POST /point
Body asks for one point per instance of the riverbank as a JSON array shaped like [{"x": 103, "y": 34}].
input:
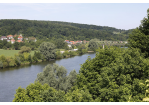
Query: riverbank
[
  {"x": 16, "y": 61},
  {"x": 90, "y": 51}
]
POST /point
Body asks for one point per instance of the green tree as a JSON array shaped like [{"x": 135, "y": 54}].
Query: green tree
[
  {"x": 65, "y": 54},
  {"x": 1, "y": 64},
  {"x": 58, "y": 55},
  {"x": 55, "y": 76},
  {"x": 32, "y": 93},
  {"x": 52, "y": 95},
  {"x": 12, "y": 62},
  {"x": 59, "y": 43},
  {"x": 4, "y": 42},
  {"x": 34, "y": 58},
  {"x": 21, "y": 56},
  {"x": 8, "y": 45},
  {"x": 37, "y": 54},
  {"x": 140, "y": 36},
  {"x": 147, "y": 90},
  {"x": 1, "y": 45},
  {"x": 92, "y": 45},
  {"x": 80, "y": 50},
  {"x": 114, "y": 75},
  {"x": 24, "y": 49},
  {"x": 4, "y": 61},
  {"x": 17, "y": 59},
  {"x": 30, "y": 58},
  {"x": 79, "y": 96},
  {"x": 48, "y": 50},
  {"x": 26, "y": 56},
  {"x": 16, "y": 45}
]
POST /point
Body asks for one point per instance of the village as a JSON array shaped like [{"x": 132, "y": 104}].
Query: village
[
  {"x": 17, "y": 38},
  {"x": 103, "y": 42}
]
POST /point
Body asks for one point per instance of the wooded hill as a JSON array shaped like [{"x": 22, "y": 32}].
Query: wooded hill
[{"x": 54, "y": 29}]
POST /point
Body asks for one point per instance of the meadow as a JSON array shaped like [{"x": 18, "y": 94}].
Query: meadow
[{"x": 11, "y": 52}]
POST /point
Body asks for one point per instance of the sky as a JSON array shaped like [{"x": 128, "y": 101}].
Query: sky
[{"x": 119, "y": 15}]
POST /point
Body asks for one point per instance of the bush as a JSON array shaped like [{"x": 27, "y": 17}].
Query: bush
[
  {"x": 5, "y": 64},
  {"x": 84, "y": 51},
  {"x": 34, "y": 59},
  {"x": 25, "y": 49},
  {"x": 26, "y": 56},
  {"x": 12, "y": 63},
  {"x": 17, "y": 60},
  {"x": 1, "y": 64},
  {"x": 58, "y": 55}
]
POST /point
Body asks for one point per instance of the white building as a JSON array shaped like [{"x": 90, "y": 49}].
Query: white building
[
  {"x": 3, "y": 38},
  {"x": 69, "y": 45}
]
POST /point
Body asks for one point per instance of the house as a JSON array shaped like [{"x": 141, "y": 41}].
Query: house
[
  {"x": 3, "y": 38},
  {"x": 69, "y": 42},
  {"x": 62, "y": 52},
  {"x": 126, "y": 42},
  {"x": 12, "y": 41},
  {"x": 72, "y": 42},
  {"x": 75, "y": 49},
  {"x": 84, "y": 41},
  {"x": 8, "y": 40},
  {"x": 69, "y": 46},
  {"x": 9, "y": 36},
  {"x": 66, "y": 40},
  {"x": 20, "y": 37},
  {"x": 19, "y": 40},
  {"x": 79, "y": 41}
]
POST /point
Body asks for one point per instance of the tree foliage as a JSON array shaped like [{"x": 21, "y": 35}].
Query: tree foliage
[
  {"x": 93, "y": 45},
  {"x": 48, "y": 50},
  {"x": 55, "y": 76},
  {"x": 35, "y": 92},
  {"x": 140, "y": 36},
  {"x": 25, "y": 49},
  {"x": 114, "y": 75},
  {"x": 79, "y": 96}
]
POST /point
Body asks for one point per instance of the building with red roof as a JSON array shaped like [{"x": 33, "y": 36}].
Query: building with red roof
[
  {"x": 9, "y": 36},
  {"x": 12, "y": 41},
  {"x": 19, "y": 40}
]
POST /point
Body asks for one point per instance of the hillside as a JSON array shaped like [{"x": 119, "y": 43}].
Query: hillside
[{"x": 64, "y": 30}]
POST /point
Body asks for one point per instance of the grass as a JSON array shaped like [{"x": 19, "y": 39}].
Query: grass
[{"x": 11, "y": 52}]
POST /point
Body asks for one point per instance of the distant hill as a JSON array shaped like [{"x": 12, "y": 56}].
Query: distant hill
[{"x": 64, "y": 30}]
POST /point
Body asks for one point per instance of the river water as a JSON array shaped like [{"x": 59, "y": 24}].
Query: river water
[{"x": 12, "y": 78}]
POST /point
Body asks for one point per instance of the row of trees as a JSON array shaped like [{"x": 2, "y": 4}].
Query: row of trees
[
  {"x": 23, "y": 57},
  {"x": 46, "y": 51}
]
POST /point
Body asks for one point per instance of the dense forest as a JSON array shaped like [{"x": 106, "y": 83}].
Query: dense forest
[{"x": 51, "y": 30}]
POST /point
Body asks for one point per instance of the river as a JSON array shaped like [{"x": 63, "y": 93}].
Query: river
[{"x": 12, "y": 78}]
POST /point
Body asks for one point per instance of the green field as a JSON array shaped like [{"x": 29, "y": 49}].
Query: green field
[{"x": 11, "y": 52}]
